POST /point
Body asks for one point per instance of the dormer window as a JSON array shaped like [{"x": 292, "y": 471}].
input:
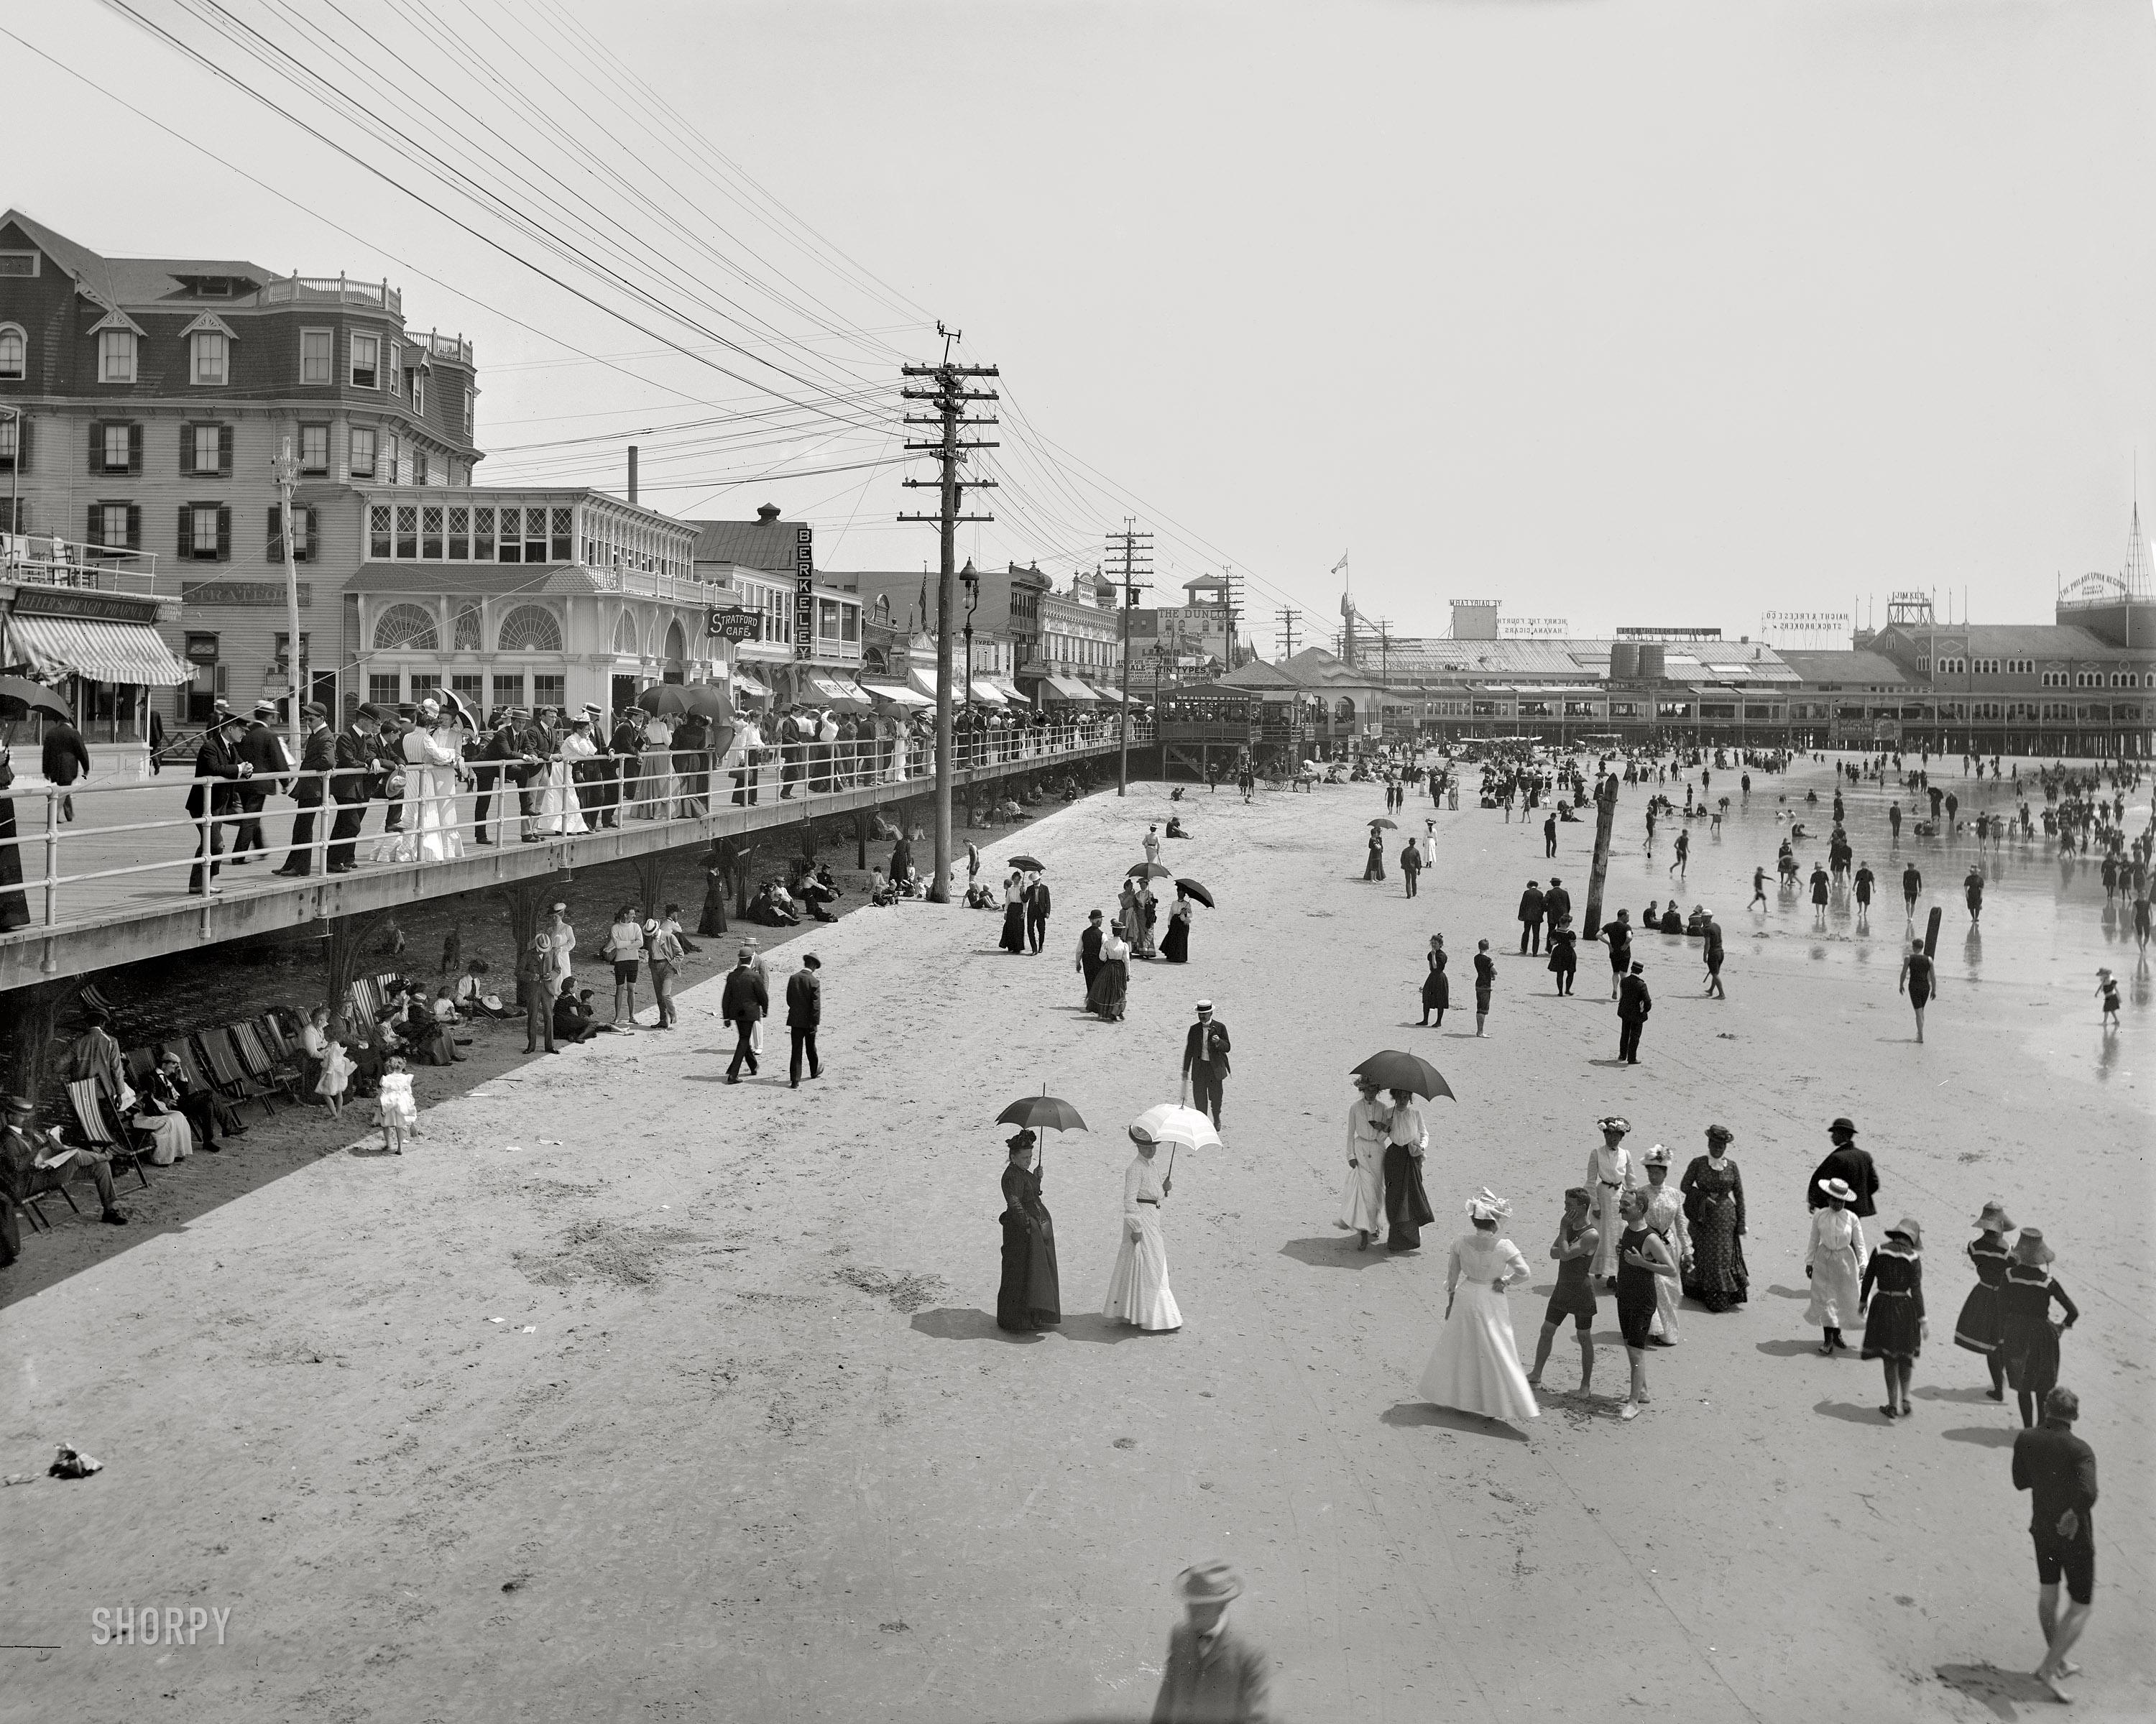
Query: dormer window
[
  {"x": 213, "y": 287},
  {"x": 115, "y": 356},
  {"x": 209, "y": 357}
]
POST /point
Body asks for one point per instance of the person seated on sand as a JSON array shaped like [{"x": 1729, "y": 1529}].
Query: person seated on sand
[
  {"x": 574, "y": 1019},
  {"x": 1175, "y": 827},
  {"x": 1672, "y": 923},
  {"x": 773, "y": 906},
  {"x": 1696, "y": 923},
  {"x": 474, "y": 998},
  {"x": 979, "y": 896},
  {"x": 881, "y": 893}
]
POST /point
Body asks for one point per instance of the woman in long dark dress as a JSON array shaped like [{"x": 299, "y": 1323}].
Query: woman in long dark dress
[
  {"x": 1175, "y": 943},
  {"x": 1031, "y": 1296},
  {"x": 2028, "y": 1339},
  {"x": 1110, "y": 988},
  {"x": 1977, "y": 1328},
  {"x": 1407, "y": 1204},
  {"x": 1014, "y": 935},
  {"x": 718, "y": 882},
  {"x": 14, "y": 905},
  {"x": 1436, "y": 991},
  {"x": 1714, "y": 1210},
  {"x": 1892, "y": 1294}
]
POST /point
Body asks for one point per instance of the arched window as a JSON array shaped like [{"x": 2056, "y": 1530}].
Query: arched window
[
  {"x": 530, "y": 628},
  {"x": 624, "y": 634},
  {"x": 406, "y": 625},
  {"x": 14, "y": 352},
  {"x": 1345, "y": 713},
  {"x": 677, "y": 643},
  {"x": 467, "y": 629}
]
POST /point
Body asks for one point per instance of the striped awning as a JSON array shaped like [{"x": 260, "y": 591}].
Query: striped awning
[
  {"x": 828, "y": 689},
  {"x": 1066, "y": 690},
  {"x": 988, "y": 694},
  {"x": 744, "y": 683},
  {"x": 102, "y": 651},
  {"x": 897, "y": 693}
]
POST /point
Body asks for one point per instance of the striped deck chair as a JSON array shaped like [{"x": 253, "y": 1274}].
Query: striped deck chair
[
  {"x": 263, "y": 1065},
  {"x": 104, "y": 1130},
  {"x": 366, "y": 1004},
  {"x": 280, "y": 1045},
  {"x": 199, "y": 1077},
  {"x": 230, "y": 1070},
  {"x": 140, "y": 1062}
]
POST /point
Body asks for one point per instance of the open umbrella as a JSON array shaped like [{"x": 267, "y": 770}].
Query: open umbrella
[
  {"x": 1179, "y": 1127},
  {"x": 1146, "y": 870},
  {"x": 35, "y": 696},
  {"x": 675, "y": 699},
  {"x": 1042, "y": 1113},
  {"x": 1380, "y": 822},
  {"x": 1029, "y": 862},
  {"x": 1191, "y": 889},
  {"x": 1393, "y": 1070}
]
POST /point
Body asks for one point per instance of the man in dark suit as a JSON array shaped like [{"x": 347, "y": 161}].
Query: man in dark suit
[
  {"x": 804, "y": 1011},
  {"x": 485, "y": 774},
  {"x": 352, "y": 782},
  {"x": 1211, "y": 1674},
  {"x": 263, "y": 750},
  {"x": 215, "y": 799},
  {"x": 626, "y": 744},
  {"x": 521, "y": 750},
  {"x": 1530, "y": 919},
  {"x": 1205, "y": 1061},
  {"x": 65, "y": 759},
  {"x": 1089, "y": 952},
  {"x": 1557, "y": 905},
  {"x": 1846, "y": 1161},
  {"x": 1036, "y": 915},
  {"x": 318, "y": 755},
  {"x": 1634, "y": 1002},
  {"x": 743, "y": 1005}
]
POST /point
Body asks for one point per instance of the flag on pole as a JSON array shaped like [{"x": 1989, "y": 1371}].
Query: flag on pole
[
  {"x": 924, "y": 599},
  {"x": 1340, "y": 565}
]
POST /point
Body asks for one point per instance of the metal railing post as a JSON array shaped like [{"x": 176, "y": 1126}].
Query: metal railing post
[{"x": 52, "y": 855}]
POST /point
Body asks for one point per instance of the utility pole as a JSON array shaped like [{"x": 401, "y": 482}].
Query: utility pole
[
  {"x": 1234, "y": 611},
  {"x": 1289, "y": 617},
  {"x": 949, "y": 394},
  {"x": 1135, "y": 548},
  {"x": 287, "y": 470}
]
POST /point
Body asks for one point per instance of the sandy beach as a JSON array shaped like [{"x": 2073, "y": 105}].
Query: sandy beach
[{"x": 627, "y": 1395}]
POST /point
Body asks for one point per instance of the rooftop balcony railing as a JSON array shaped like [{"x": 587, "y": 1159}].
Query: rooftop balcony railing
[
  {"x": 335, "y": 290},
  {"x": 33, "y": 559}
]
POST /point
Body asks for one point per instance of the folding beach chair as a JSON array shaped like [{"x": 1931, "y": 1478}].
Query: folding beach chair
[
  {"x": 199, "y": 1078},
  {"x": 104, "y": 1130},
  {"x": 261, "y": 1064},
  {"x": 230, "y": 1070}
]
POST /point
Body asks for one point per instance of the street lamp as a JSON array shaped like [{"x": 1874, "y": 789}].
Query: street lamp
[{"x": 971, "y": 576}]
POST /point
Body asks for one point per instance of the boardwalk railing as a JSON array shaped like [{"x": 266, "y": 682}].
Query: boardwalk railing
[{"x": 74, "y": 867}]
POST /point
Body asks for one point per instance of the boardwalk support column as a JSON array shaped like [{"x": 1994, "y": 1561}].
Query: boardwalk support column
[{"x": 1605, "y": 818}]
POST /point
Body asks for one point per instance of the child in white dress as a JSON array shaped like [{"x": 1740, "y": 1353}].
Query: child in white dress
[
  {"x": 399, "y": 1110},
  {"x": 336, "y": 1072}
]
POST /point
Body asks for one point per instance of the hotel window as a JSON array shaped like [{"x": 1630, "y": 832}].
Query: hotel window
[
  {"x": 468, "y": 414},
  {"x": 115, "y": 356},
  {"x": 424, "y": 684},
  {"x": 418, "y": 391},
  {"x": 209, "y": 357},
  {"x": 564, "y": 546},
  {"x": 15, "y": 353},
  {"x": 116, "y": 525},
  {"x": 408, "y": 532},
  {"x": 385, "y": 688},
  {"x": 377, "y": 531},
  {"x": 430, "y": 533},
  {"x": 393, "y": 469},
  {"x": 314, "y": 345},
  {"x": 362, "y": 452},
  {"x": 366, "y": 362},
  {"x": 469, "y": 687},
  {"x": 420, "y": 467},
  {"x": 396, "y": 382},
  {"x": 118, "y": 449},
  {"x": 459, "y": 534},
  {"x": 10, "y": 443},
  {"x": 509, "y": 689},
  {"x": 465, "y": 635},
  {"x": 483, "y": 535},
  {"x": 314, "y": 448},
  {"x": 303, "y": 547},
  {"x": 530, "y": 628},
  {"x": 409, "y": 627},
  {"x": 205, "y": 532},
  {"x": 209, "y": 449},
  {"x": 549, "y": 691}
]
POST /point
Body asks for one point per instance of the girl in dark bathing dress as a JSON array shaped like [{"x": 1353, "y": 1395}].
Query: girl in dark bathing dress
[
  {"x": 1030, "y": 1295},
  {"x": 1978, "y": 1328},
  {"x": 1894, "y": 1327},
  {"x": 1436, "y": 990},
  {"x": 2028, "y": 1338}
]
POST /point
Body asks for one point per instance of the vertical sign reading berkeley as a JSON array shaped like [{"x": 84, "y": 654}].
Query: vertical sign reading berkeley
[{"x": 804, "y": 596}]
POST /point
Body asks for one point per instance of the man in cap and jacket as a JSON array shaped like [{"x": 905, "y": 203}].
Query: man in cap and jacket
[
  {"x": 1530, "y": 919},
  {"x": 218, "y": 771},
  {"x": 743, "y": 1004},
  {"x": 804, "y": 1012},
  {"x": 352, "y": 782},
  {"x": 263, "y": 750},
  {"x": 1847, "y": 1162},
  {"x": 522, "y": 752},
  {"x": 1211, "y": 1674},
  {"x": 318, "y": 754},
  {"x": 1634, "y": 1004}
]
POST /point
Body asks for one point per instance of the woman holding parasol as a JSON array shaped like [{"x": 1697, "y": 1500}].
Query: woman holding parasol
[
  {"x": 18, "y": 695},
  {"x": 1029, "y": 1297},
  {"x": 1138, "y": 1293}
]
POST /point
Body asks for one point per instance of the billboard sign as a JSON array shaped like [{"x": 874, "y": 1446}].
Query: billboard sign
[
  {"x": 1679, "y": 637},
  {"x": 1533, "y": 628},
  {"x": 804, "y": 593},
  {"x": 733, "y": 623},
  {"x": 1806, "y": 628}
]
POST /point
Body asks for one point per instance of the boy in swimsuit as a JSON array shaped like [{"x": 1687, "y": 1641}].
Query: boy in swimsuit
[{"x": 1573, "y": 1296}]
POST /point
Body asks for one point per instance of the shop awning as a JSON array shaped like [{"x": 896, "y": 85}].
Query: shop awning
[
  {"x": 897, "y": 693},
  {"x": 102, "y": 651},
  {"x": 821, "y": 685},
  {"x": 1065, "y": 690},
  {"x": 988, "y": 694},
  {"x": 744, "y": 683},
  {"x": 1110, "y": 695},
  {"x": 1008, "y": 689},
  {"x": 852, "y": 690}
]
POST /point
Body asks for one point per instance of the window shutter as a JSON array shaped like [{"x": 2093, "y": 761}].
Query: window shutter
[
  {"x": 90, "y": 526},
  {"x": 134, "y": 527},
  {"x": 187, "y": 447},
  {"x": 21, "y": 446},
  {"x": 96, "y": 446},
  {"x": 276, "y": 534},
  {"x": 134, "y": 449},
  {"x": 224, "y": 532},
  {"x": 186, "y": 530},
  {"x": 224, "y": 451},
  {"x": 307, "y": 554}
]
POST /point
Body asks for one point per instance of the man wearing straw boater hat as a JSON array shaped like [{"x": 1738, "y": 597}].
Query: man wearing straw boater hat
[
  {"x": 1205, "y": 1062},
  {"x": 1212, "y": 1675}
]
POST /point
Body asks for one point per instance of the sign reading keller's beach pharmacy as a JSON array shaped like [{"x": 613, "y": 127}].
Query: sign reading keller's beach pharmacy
[{"x": 804, "y": 593}]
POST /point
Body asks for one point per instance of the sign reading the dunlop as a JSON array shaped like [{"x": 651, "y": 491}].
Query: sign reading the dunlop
[
  {"x": 804, "y": 593},
  {"x": 243, "y": 593},
  {"x": 733, "y": 623}
]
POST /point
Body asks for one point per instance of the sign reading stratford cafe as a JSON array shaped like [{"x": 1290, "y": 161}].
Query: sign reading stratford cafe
[
  {"x": 733, "y": 623},
  {"x": 804, "y": 592}
]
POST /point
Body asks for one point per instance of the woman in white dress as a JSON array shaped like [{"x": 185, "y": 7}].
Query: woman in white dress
[
  {"x": 656, "y": 800},
  {"x": 434, "y": 760},
  {"x": 1610, "y": 1175},
  {"x": 1834, "y": 1260},
  {"x": 1137, "y": 1286},
  {"x": 560, "y": 813},
  {"x": 1475, "y": 1367},
  {"x": 1362, "y": 1200}
]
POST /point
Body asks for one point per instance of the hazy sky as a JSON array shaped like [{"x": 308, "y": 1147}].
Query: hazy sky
[{"x": 1619, "y": 311}]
